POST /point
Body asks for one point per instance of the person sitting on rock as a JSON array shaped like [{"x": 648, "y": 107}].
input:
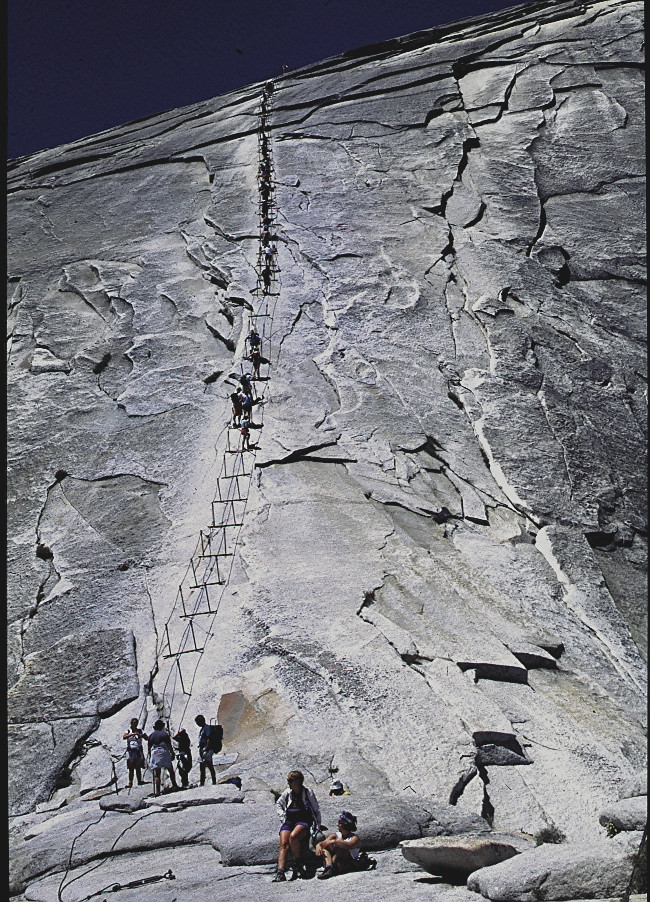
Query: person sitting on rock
[
  {"x": 299, "y": 810},
  {"x": 161, "y": 755},
  {"x": 341, "y": 849},
  {"x": 134, "y": 751},
  {"x": 184, "y": 746}
]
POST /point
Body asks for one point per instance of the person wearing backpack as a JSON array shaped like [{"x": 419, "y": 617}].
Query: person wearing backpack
[
  {"x": 236, "y": 399},
  {"x": 299, "y": 810},
  {"x": 134, "y": 751},
  {"x": 184, "y": 754},
  {"x": 210, "y": 742}
]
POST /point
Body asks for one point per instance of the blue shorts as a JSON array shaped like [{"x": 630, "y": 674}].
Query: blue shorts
[{"x": 289, "y": 825}]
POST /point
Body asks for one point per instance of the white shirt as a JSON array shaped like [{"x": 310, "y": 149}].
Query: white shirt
[{"x": 355, "y": 850}]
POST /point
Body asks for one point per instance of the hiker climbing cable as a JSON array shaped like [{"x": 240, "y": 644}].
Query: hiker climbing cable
[
  {"x": 254, "y": 339},
  {"x": 236, "y": 399},
  {"x": 247, "y": 409},
  {"x": 245, "y": 382},
  {"x": 340, "y": 850},
  {"x": 135, "y": 761},
  {"x": 255, "y": 358},
  {"x": 184, "y": 755},
  {"x": 299, "y": 810},
  {"x": 266, "y": 278},
  {"x": 245, "y": 434},
  {"x": 161, "y": 756}
]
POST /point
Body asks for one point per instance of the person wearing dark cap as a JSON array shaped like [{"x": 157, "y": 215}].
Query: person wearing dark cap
[{"x": 341, "y": 849}]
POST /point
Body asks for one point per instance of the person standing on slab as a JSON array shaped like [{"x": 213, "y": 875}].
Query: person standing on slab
[
  {"x": 205, "y": 750},
  {"x": 135, "y": 751},
  {"x": 161, "y": 755}
]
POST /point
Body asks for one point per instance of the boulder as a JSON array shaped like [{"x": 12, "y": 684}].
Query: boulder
[
  {"x": 461, "y": 854},
  {"x": 573, "y": 871},
  {"x": 627, "y": 814},
  {"x": 635, "y": 786},
  {"x": 254, "y": 842}
]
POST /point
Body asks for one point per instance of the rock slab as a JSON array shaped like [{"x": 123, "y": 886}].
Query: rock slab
[
  {"x": 460, "y": 854},
  {"x": 551, "y": 872}
]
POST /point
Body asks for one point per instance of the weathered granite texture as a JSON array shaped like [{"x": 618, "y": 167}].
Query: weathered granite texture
[
  {"x": 439, "y": 590},
  {"x": 575, "y": 871}
]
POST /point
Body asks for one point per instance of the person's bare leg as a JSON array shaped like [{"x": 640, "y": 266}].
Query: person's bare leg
[
  {"x": 284, "y": 849},
  {"x": 294, "y": 841}
]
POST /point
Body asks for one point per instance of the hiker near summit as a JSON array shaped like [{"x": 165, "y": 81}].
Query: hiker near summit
[
  {"x": 134, "y": 751},
  {"x": 341, "y": 849},
  {"x": 161, "y": 754},
  {"x": 299, "y": 810}
]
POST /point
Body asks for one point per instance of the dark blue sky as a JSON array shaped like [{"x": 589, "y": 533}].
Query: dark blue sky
[{"x": 77, "y": 67}]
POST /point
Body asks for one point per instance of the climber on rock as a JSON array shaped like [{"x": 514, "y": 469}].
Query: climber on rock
[
  {"x": 205, "y": 750},
  {"x": 266, "y": 278},
  {"x": 245, "y": 382},
  {"x": 247, "y": 408},
  {"x": 340, "y": 850},
  {"x": 135, "y": 751},
  {"x": 245, "y": 434},
  {"x": 253, "y": 338},
  {"x": 236, "y": 399},
  {"x": 161, "y": 755},
  {"x": 255, "y": 358},
  {"x": 299, "y": 810}
]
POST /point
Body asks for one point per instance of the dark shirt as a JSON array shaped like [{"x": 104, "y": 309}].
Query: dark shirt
[{"x": 159, "y": 737}]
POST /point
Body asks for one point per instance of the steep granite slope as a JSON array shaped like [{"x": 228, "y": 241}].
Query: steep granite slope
[{"x": 440, "y": 581}]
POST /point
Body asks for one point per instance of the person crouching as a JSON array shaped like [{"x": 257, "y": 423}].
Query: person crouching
[{"x": 341, "y": 849}]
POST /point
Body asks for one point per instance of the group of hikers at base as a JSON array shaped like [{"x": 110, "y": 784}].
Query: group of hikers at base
[
  {"x": 338, "y": 853},
  {"x": 162, "y": 754}
]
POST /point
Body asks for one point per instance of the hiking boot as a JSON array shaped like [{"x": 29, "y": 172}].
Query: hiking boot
[
  {"x": 279, "y": 876},
  {"x": 327, "y": 873},
  {"x": 298, "y": 871}
]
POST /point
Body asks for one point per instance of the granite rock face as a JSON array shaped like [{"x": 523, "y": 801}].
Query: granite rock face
[{"x": 438, "y": 591}]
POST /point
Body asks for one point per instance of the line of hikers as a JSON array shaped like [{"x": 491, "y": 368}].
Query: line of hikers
[
  {"x": 161, "y": 752},
  {"x": 242, "y": 399},
  {"x": 268, "y": 250}
]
